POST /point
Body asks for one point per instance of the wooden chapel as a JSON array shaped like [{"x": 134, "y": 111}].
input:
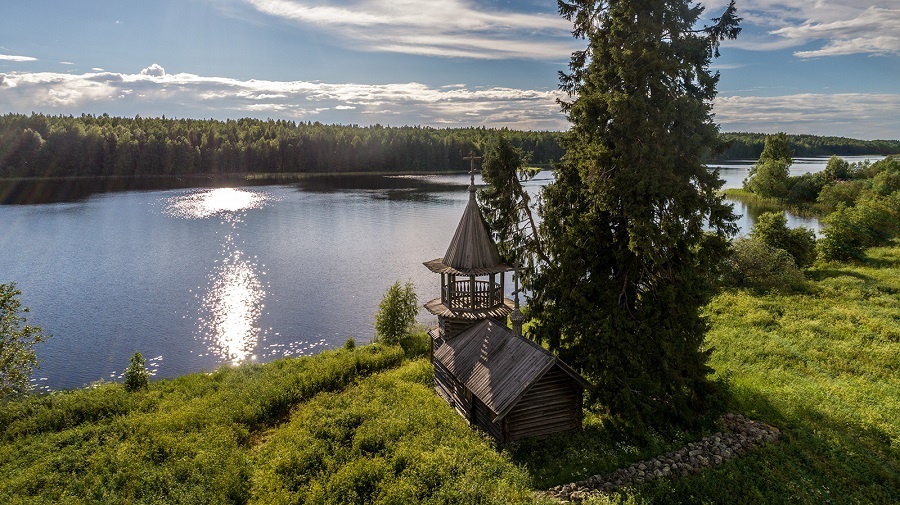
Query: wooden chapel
[{"x": 500, "y": 382}]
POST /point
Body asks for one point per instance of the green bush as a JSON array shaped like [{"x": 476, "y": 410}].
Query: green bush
[
  {"x": 17, "y": 340},
  {"x": 754, "y": 264},
  {"x": 136, "y": 376},
  {"x": 769, "y": 178},
  {"x": 873, "y": 221},
  {"x": 805, "y": 188},
  {"x": 837, "y": 169},
  {"x": 771, "y": 228},
  {"x": 416, "y": 342},
  {"x": 396, "y": 313},
  {"x": 833, "y": 195}
]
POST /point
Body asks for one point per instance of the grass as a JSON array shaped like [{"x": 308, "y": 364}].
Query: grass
[{"x": 364, "y": 426}]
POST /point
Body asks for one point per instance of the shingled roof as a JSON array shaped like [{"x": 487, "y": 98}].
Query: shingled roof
[
  {"x": 472, "y": 250},
  {"x": 496, "y": 365}
]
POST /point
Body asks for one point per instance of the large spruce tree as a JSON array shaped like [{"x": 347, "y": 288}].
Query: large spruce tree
[{"x": 633, "y": 223}]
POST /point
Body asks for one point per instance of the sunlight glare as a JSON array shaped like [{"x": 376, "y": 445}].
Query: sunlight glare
[
  {"x": 233, "y": 304},
  {"x": 210, "y": 202}
]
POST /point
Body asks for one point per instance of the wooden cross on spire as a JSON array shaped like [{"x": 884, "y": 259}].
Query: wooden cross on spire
[{"x": 471, "y": 158}]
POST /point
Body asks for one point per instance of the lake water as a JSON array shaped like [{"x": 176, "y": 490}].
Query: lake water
[{"x": 194, "y": 278}]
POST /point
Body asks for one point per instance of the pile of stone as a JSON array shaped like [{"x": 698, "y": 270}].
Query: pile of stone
[{"x": 743, "y": 435}]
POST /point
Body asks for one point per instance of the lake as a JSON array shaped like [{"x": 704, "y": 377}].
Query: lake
[{"x": 194, "y": 278}]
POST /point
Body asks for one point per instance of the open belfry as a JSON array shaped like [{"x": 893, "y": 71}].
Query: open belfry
[{"x": 499, "y": 381}]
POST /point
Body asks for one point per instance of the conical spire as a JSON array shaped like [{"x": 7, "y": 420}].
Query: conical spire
[{"x": 472, "y": 250}]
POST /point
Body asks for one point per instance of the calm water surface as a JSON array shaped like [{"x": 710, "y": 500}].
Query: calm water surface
[{"x": 195, "y": 278}]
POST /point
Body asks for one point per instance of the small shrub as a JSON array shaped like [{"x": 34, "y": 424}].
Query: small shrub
[
  {"x": 754, "y": 264},
  {"x": 416, "y": 342},
  {"x": 350, "y": 344},
  {"x": 136, "y": 376},
  {"x": 396, "y": 313},
  {"x": 771, "y": 228}
]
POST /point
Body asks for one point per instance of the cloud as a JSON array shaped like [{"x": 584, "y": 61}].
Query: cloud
[
  {"x": 834, "y": 27},
  {"x": 858, "y": 115},
  {"x": 10, "y": 57},
  {"x": 152, "y": 92},
  {"x": 154, "y": 70},
  {"x": 448, "y": 28}
]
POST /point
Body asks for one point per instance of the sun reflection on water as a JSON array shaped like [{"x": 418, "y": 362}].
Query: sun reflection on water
[
  {"x": 211, "y": 202},
  {"x": 232, "y": 303},
  {"x": 232, "y": 307}
]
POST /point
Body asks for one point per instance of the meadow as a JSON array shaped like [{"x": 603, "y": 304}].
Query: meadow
[{"x": 364, "y": 426}]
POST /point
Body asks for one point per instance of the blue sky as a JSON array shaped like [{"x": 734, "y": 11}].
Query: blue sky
[{"x": 825, "y": 67}]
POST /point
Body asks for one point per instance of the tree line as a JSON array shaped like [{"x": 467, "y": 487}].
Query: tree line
[
  {"x": 58, "y": 146},
  {"x": 749, "y": 146},
  {"x": 39, "y": 145}
]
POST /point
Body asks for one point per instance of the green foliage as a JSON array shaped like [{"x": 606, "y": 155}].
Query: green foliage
[
  {"x": 390, "y": 439},
  {"x": 849, "y": 231},
  {"x": 17, "y": 341},
  {"x": 41, "y": 146},
  {"x": 758, "y": 265},
  {"x": 350, "y": 344},
  {"x": 841, "y": 193},
  {"x": 624, "y": 222},
  {"x": 837, "y": 169},
  {"x": 770, "y": 177},
  {"x": 396, "y": 313},
  {"x": 805, "y": 188},
  {"x": 749, "y": 146},
  {"x": 771, "y": 229},
  {"x": 777, "y": 147},
  {"x": 136, "y": 376},
  {"x": 187, "y": 440},
  {"x": 819, "y": 364},
  {"x": 416, "y": 342},
  {"x": 506, "y": 205}
]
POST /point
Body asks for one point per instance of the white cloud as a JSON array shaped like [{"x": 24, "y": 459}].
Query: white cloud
[
  {"x": 190, "y": 95},
  {"x": 154, "y": 70},
  {"x": 11, "y": 57},
  {"x": 449, "y": 28},
  {"x": 835, "y": 27},
  {"x": 858, "y": 115}
]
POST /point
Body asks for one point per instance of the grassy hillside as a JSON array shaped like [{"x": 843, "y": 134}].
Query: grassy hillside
[{"x": 363, "y": 425}]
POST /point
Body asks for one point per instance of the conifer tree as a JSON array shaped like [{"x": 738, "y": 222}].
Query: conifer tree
[{"x": 633, "y": 223}]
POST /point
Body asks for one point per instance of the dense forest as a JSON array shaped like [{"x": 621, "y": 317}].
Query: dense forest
[
  {"x": 749, "y": 146},
  {"x": 37, "y": 145}
]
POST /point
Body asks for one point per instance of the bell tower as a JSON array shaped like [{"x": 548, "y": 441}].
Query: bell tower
[{"x": 472, "y": 275}]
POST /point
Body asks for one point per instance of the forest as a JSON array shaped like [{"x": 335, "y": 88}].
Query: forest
[{"x": 39, "y": 145}]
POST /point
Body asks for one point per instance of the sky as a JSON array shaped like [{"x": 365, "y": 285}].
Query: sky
[{"x": 822, "y": 67}]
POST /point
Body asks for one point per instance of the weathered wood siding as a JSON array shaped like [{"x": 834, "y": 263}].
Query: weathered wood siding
[
  {"x": 481, "y": 418},
  {"x": 552, "y": 405},
  {"x": 451, "y": 390}
]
